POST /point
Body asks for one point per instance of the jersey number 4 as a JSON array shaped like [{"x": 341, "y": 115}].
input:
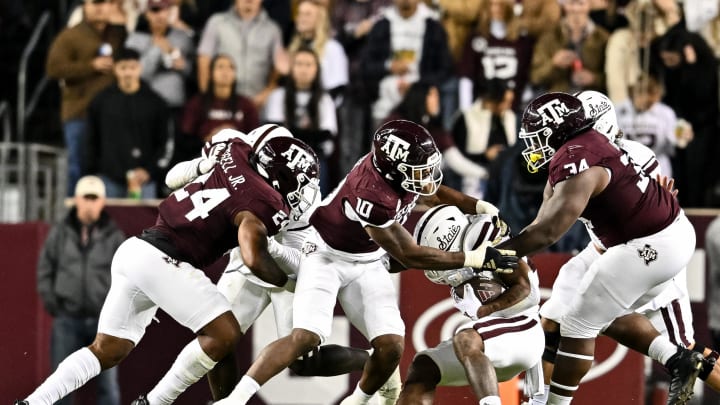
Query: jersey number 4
[{"x": 203, "y": 200}]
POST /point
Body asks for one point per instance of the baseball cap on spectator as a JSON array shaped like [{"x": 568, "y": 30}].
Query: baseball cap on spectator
[
  {"x": 126, "y": 54},
  {"x": 158, "y": 4},
  {"x": 90, "y": 186}
]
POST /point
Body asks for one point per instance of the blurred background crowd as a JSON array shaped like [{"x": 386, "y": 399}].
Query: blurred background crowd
[{"x": 142, "y": 83}]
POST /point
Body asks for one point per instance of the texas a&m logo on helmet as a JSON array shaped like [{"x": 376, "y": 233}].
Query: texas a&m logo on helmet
[
  {"x": 405, "y": 154},
  {"x": 548, "y": 122}
]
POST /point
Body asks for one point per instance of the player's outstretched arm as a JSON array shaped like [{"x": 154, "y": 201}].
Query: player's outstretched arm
[
  {"x": 187, "y": 171},
  {"x": 252, "y": 239},
  {"x": 399, "y": 244},
  {"x": 558, "y": 212}
]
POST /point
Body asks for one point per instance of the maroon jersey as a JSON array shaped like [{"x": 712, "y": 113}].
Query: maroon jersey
[
  {"x": 363, "y": 198},
  {"x": 493, "y": 58},
  {"x": 632, "y": 205},
  {"x": 198, "y": 219}
]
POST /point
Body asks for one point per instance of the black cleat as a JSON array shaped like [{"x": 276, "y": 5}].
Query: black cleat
[
  {"x": 684, "y": 367},
  {"x": 141, "y": 400},
  {"x": 19, "y": 402}
]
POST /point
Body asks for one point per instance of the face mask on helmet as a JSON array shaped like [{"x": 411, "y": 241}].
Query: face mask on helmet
[
  {"x": 601, "y": 109},
  {"x": 548, "y": 122},
  {"x": 290, "y": 167},
  {"x": 405, "y": 154}
]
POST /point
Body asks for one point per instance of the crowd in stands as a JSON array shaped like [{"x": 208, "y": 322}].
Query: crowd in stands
[{"x": 332, "y": 70}]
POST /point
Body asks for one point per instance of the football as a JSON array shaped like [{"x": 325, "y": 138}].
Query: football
[{"x": 486, "y": 289}]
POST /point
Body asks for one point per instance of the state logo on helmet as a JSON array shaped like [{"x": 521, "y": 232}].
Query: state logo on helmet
[
  {"x": 599, "y": 107},
  {"x": 442, "y": 227},
  {"x": 291, "y": 167},
  {"x": 548, "y": 122},
  {"x": 405, "y": 154}
]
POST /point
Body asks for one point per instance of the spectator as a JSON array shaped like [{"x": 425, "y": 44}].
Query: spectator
[
  {"x": 352, "y": 21},
  {"x": 81, "y": 59},
  {"x": 252, "y": 39},
  {"x": 690, "y": 79},
  {"x": 307, "y": 110},
  {"x": 539, "y": 17},
  {"x": 164, "y": 53},
  {"x": 632, "y": 45},
  {"x": 485, "y": 129},
  {"x": 712, "y": 247},
  {"x": 128, "y": 132},
  {"x": 646, "y": 119},
  {"x": 459, "y": 17},
  {"x": 407, "y": 45},
  {"x": 220, "y": 106},
  {"x": 165, "y": 56},
  {"x": 422, "y": 105},
  {"x": 74, "y": 278},
  {"x": 497, "y": 50},
  {"x": 119, "y": 12},
  {"x": 571, "y": 56},
  {"x": 312, "y": 29}
]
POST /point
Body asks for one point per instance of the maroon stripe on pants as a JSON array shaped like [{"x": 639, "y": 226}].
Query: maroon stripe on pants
[
  {"x": 677, "y": 311},
  {"x": 510, "y": 329},
  {"x": 668, "y": 324}
]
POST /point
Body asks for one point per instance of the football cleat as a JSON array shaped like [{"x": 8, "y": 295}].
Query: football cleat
[
  {"x": 684, "y": 367},
  {"x": 390, "y": 391},
  {"x": 141, "y": 400},
  {"x": 19, "y": 402}
]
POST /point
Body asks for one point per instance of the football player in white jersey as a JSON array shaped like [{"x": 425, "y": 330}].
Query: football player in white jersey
[
  {"x": 249, "y": 295},
  {"x": 504, "y": 337},
  {"x": 669, "y": 312}
]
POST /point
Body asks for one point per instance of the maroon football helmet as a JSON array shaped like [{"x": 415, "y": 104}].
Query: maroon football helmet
[
  {"x": 405, "y": 154},
  {"x": 548, "y": 122},
  {"x": 291, "y": 167}
]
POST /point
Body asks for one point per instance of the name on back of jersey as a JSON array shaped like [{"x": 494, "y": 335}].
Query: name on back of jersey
[{"x": 226, "y": 163}]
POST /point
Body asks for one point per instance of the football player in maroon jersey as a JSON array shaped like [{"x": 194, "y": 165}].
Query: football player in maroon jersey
[
  {"x": 248, "y": 195},
  {"x": 355, "y": 226},
  {"x": 249, "y": 296},
  {"x": 646, "y": 237}
]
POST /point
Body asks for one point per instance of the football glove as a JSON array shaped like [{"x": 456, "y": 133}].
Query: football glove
[
  {"x": 451, "y": 277},
  {"x": 484, "y": 207},
  {"x": 469, "y": 303},
  {"x": 487, "y": 257},
  {"x": 500, "y": 260}
]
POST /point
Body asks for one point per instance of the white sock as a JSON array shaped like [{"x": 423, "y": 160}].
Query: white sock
[
  {"x": 71, "y": 374},
  {"x": 661, "y": 349},
  {"x": 491, "y": 400},
  {"x": 244, "y": 390},
  {"x": 555, "y": 399},
  {"x": 541, "y": 399},
  {"x": 191, "y": 365},
  {"x": 359, "y": 396}
]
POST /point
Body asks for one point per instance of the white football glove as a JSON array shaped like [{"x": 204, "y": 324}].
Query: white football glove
[
  {"x": 469, "y": 303},
  {"x": 450, "y": 277},
  {"x": 206, "y": 164},
  {"x": 484, "y": 207}
]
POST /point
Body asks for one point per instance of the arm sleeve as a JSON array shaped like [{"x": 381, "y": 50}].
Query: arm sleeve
[
  {"x": 62, "y": 63},
  {"x": 182, "y": 173},
  {"x": 46, "y": 268},
  {"x": 208, "y": 41}
]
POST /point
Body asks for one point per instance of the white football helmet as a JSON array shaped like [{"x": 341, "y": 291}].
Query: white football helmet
[
  {"x": 442, "y": 227},
  {"x": 601, "y": 109}
]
